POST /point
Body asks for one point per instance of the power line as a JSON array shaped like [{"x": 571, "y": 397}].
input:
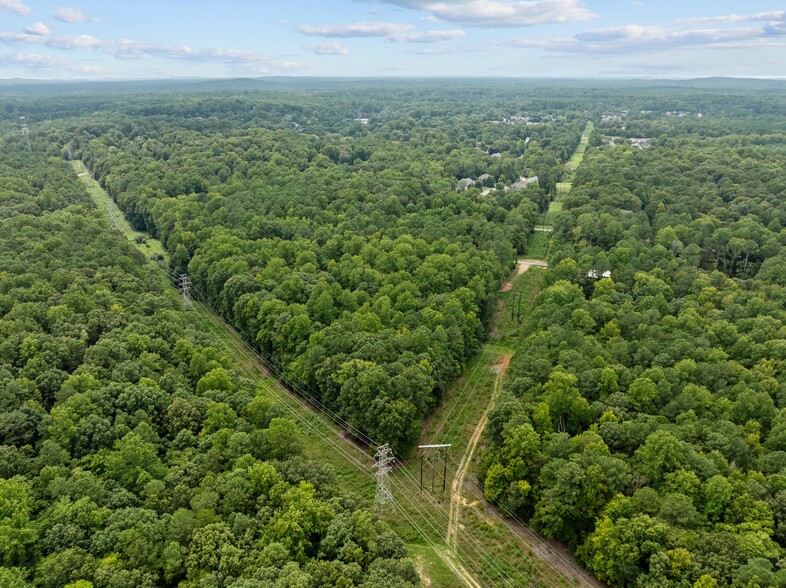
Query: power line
[
  {"x": 383, "y": 496},
  {"x": 336, "y": 419},
  {"x": 184, "y": 283},
  {"x": 356, "y": 432},
  {"x": 404, "y": 471},
  {"x": 341, "y": 451}
]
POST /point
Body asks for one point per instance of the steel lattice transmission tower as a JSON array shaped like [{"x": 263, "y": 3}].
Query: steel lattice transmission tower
[
  {"x": 383, "y": 457},
  {"x": 185, "y": 288}
]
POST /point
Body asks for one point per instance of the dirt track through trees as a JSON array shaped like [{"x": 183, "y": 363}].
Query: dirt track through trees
[{"x": 458, "y": 481}]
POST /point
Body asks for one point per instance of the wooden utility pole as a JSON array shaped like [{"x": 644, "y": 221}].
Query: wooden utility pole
[{"x": 440, "y": 450}]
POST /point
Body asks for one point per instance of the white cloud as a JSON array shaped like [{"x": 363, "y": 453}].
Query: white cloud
[
  {"x": 357, "y": 29},
  {"x": 15, "y": 6},
  {"x": 50, "y": 66},
  {"x": 56, "y": 42},
  {"x": 30, "y": 60},
  {"x": 501, "y": 13},
  {"x": 430, "y": 36},
  {"x": 130, "y": 49},
  {"x": 397, "y": 32},
  {"x": 68, "y": 14},
  {"x": 636, "y": 38},
  {"x": 440, "y": 50},
  {"x": 331, "y": 48},
  {"x": 38, "y": 28},
  {"x": 776, "y": 15}
]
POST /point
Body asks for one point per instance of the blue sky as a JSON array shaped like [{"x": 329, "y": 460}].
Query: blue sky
[{"x": 96, "y": 39}]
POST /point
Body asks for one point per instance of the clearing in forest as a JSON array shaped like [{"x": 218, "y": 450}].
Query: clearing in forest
[
  {"x": 466, "y": 541},
  {"x": 535, "y": 247}
]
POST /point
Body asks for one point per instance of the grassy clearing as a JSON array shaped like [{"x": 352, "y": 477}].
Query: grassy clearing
[
  {"x": 578, "y": 156},
  {"x": 151, "y": 248},
  {"x": 517, "y": 303},
  {"x": 554, "y": 208},
  {"x": 538, "y": 245},
  {"x": 453, "y": 422},
  {"x": 506, "y": 563},
  {"x": 433, "y": 571}
]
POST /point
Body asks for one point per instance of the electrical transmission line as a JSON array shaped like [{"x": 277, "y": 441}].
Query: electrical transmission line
[{"x": 383, "y": 457}]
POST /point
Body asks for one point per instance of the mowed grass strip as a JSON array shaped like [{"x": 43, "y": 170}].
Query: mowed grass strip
[
  {"x": 538, "y": 245},
  {"x": 150, "y": 247}
]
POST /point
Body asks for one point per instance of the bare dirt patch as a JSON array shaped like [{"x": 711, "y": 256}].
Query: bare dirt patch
[{"x": 522, "y": 265}]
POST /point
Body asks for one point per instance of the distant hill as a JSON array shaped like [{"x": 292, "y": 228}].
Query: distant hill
[{"x": 20, "y": 86}]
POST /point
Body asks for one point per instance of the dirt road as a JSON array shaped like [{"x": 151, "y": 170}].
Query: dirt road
[
  {"x": 458, "y": 481},
  {"x": 522, "y": 265}
]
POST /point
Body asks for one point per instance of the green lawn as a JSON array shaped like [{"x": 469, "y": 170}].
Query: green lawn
[
  {"x": 150, "y": 247},
  {"x": 433, "y": 571},
  {"x": 538, "y": 245},
  {"x": 578, "y": 156},
  {"x": 517, "y": 303},
  {"x": 554, "y": 208}
]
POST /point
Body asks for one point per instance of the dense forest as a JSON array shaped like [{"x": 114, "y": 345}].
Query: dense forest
[
  {"x": 131, "y": 454},
  {"x": 350, "y": 258},
  {"x": 358, "y": 237},
  {"x": 644, "y": 415}
]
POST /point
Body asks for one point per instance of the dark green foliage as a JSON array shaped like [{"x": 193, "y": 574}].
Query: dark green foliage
[
  {"x": 345, "y": 254},
  {"x": 658, "y": 393},
  {"x": 131, "y": 454}
]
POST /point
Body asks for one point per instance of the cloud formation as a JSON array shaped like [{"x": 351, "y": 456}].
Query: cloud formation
[
  {"x": 15, "y": 6},
  {"x": 38, "y": 28},
  {"x": 30, "y": 60},
  {"x": 130, "y": 49},
  {"x": 431, "y": 36},
  {"x": 776, "y": 15},
  {"x": 68, "y": 14},
  {"x": 396, "y": 32},
  {"x": 331, "y": 48},
  {"x": 636, "y": 38},
  {"x": 500, "y": 13},
  {"x": 357, "y": 29},
  {"x": 51, "y": 65}
]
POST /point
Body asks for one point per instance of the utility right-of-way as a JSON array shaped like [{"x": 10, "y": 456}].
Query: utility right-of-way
[{"x": 479, "y": 545}]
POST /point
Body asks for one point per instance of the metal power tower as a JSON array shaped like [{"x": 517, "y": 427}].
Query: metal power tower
[
  {"x": 383, "y": 457},
  {"x": 26, "y": 132},
  {"x": 185, "y": 288}
]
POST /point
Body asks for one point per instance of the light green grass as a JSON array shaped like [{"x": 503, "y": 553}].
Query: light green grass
[
  {"x": 578, "y": 156},
  {"x": 452, "y": 422},
  {"x": 151, "y": 248},
  {"x": 433, "y": 571},
  {"x": 554, "y": 208},
  {"x": 518, "y": 303},
  {"x": 538, "y": 245},
  {"x": 487, "y": 549}
]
